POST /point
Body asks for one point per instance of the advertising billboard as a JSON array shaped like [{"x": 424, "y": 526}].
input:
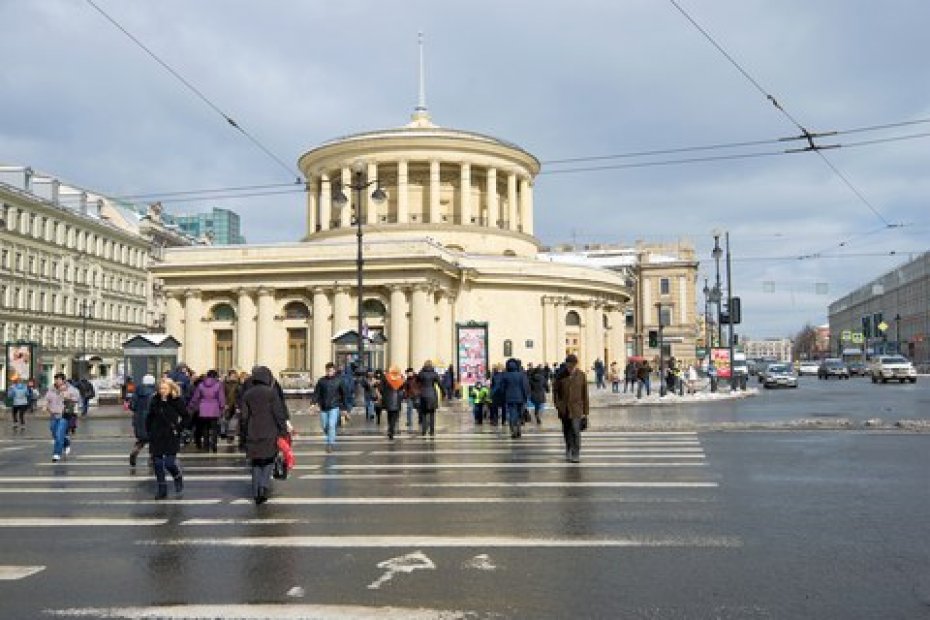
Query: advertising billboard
[
  {"x": 471, "y": 341},
  {"x": 721, "y": 358}
]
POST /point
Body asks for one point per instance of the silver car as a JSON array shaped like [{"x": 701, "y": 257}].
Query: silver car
[{"x": 779, "y": 375}]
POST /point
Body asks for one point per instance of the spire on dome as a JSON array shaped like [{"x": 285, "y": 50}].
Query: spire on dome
[{"x": 421, "y": 117}]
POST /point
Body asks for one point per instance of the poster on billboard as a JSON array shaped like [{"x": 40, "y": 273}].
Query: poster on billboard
[
  {"x": 471, "y": 341},
  {"x": 721, "y": 359},
  {"x": 20, "y": 362}
]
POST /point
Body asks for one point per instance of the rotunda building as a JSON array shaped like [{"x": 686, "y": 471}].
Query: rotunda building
[{"x": 451, "y": 272}]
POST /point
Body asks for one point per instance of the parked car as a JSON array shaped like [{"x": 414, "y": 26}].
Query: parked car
[
  {"x": 858, "y": 369},
  {"x": 779, "y": 375},
  {"x": 808, "y": 368},
  {"x": 887, "y": 368},
  {"x": 761, "y": 368},
  {"x": 832, "y": 367}
]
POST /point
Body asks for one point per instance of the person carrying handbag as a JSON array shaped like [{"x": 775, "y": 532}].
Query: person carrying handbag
[{"x": 266, "y": 420}]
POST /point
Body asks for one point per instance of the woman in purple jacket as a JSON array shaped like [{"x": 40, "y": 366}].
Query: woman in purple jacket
[{"x": 209, "y": 402}]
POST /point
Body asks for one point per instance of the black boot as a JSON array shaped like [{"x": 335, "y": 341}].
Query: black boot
[
  {"x": 162, "y": 491},
  {"x": 262, "y": 496},
  {"x": 132, "y": 458},
  {"x": 179, "y": 485}
]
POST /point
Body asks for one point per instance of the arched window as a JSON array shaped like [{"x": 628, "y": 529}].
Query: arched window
[
  {"x": 573, "y": 319},
  {"x": 373, "y": 308},
  {"x": 509, "y": 253},
  {"x": 296, "y": 310},
  {"x": 223, "y": 312}
]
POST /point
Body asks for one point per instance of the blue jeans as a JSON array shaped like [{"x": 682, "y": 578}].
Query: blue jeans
[
  {"x": 59, "y": 429},
  {"x": 164, "y": 462},
  {"x": 515, "y": 414},
  {"x": 85, "y": 405},
  {"x": 409, "y": 412},
  {"x": 369, "y": 409},
  {"x": 328, "y": 420}
]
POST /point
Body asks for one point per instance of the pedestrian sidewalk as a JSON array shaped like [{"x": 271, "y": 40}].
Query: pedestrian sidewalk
[{"x": 607, "y": 398}]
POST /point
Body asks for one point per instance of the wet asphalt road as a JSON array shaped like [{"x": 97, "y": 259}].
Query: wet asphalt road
[{"x": 693, "y": 524}]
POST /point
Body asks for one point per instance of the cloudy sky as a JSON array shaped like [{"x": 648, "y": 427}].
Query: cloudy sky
[{"x": 562, "y": 79}]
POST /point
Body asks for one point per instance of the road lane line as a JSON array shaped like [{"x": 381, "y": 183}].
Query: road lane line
[
  {"x": 418, "y": 542},
  {"x": 152, "y": 502},
  {"x": 14, "y": 573},
  {"x": 27, "y": 522},
  {"x": 40, "y": 490}
]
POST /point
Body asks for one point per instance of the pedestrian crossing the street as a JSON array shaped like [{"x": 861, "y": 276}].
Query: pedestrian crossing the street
[{"x": 453, "y": 498}]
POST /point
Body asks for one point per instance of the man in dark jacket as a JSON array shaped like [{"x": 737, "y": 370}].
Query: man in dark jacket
[
  {"x": 263, "y": 414},
  {"x": 570, "y": 394},
  {"x": 429, "y": 397},
  {"x": 330, "y": 395},
  {"x": 516, "y": 389}
]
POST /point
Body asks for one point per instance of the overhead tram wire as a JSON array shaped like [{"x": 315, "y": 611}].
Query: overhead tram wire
[
  {"x": 668, "y": 162},
  {"x": 229, "y": 120},
  {"x": 805, "y": 133},
  {"x": 216, "y": 190}
]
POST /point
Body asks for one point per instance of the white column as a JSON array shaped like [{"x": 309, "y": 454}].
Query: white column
[
  {"x": 341, "y": 310},
  {"x": 618, "y": 336},
  {"x": 560, "y": 310},
  {"x": 491, "y": 197},
  {"x": 433, "y": 195},
  {"x": 421, "y": 325},
  {"x": 444, "y": 336},
  {"x": 326, "y": 202},
  {"x": 321, "y": 346},
  {"x": 245, "y": 330},
  {"x": 265, "y": 345},
  {"x": 512, "y": 201},
  {"x": 193, "y": 328},
  {"x": 682, "y": 300},
  {"x": 526, "y": 206},
  {"x": 174, "y": 316},
  {"x": 345, "y": 216},
  {"x": 371, "y": 209},
  {"x": 547, "y": 330},
  {"x": 313, "y": 189},
  {"x": 591, "y": 345},
  {"x": 398, "y": 334},
  {"x": 402, "y": 193},
  {"x": 465, "y": 194}
]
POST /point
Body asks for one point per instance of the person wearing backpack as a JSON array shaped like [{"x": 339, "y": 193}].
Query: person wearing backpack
[
  {"x": 87, "y": 392},
  {"x": 19, "y": 393},
  {"x": 209, "y": 402},
  {"x": 139, "y": 404}
]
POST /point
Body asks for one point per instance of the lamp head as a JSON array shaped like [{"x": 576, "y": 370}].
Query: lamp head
[
  {"x": 338, "y": 196},
  {"x": 378, "y": 196}
]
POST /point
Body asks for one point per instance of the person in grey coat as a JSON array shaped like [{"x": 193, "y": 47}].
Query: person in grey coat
[{"x": 265, "y": 419}]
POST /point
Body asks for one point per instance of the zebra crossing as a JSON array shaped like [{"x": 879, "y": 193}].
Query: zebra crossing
[{"x": 443, "y": 502}]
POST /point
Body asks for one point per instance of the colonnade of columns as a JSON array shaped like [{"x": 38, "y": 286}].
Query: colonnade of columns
[
  {"x": 506, "y": 206},
  {"x": 419, "y": 324},
  {"x": 598, "y": 340}
]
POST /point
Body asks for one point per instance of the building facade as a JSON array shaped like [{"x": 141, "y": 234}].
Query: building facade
[
  {"x": 898, "y": 300},
  {"x": 72, "y": 283},
  {"x": 663, "y": 279},
  {"x": 451, "y": 271},
  {"x": 219, "y": 226},
  {"x": 769, "y": 348}
]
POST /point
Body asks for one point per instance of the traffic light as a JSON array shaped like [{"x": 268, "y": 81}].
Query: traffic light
[
  {"x": 653, "y": 338},
  {"x": 735, "y": 310}
]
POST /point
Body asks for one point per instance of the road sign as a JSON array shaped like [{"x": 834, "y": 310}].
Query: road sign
[
  {"x": 846, "y": 335},
  {"x": 857, "y": 338}
]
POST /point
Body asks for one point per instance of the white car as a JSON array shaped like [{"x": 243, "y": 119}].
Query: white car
[
  {"x": 887, "y": 368},
  {"x": 808, "y": 368},
  {"x": 779, "y": 375}
]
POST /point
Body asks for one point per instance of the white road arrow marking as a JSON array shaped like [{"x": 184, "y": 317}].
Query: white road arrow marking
[{"x": 402, "y": 564}]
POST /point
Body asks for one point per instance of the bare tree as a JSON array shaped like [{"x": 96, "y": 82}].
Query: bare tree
[{"x": 805, "y": 342}]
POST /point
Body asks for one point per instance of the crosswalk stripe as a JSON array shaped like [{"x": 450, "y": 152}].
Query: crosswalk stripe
[
  {"x": 420, "y": 542},
  {"x": 70, "y": 479},
  {"x": 153, "y": 502},
  {"x": 68, "y": 490},
  {"x": 405, "y": 501},
  {"x": 262, "y": 611},
  {"x": 14, "y": 573},
  {"x": 28, "y": 522},
  {"x": 540, "y": 450},
  {"x": 559, "y": 485},
  {"x": 508, "y": 465}
]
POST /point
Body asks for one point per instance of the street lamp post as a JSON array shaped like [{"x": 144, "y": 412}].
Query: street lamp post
[
  {"x": 717, "y": 253},
  {"x": 662, "y": 387},
  {"x": 360, "y": 182},
  {"x": 707, "y": 342},
  {"x": 897, "y": 334},
  {"x": 733, "y": 381}
]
